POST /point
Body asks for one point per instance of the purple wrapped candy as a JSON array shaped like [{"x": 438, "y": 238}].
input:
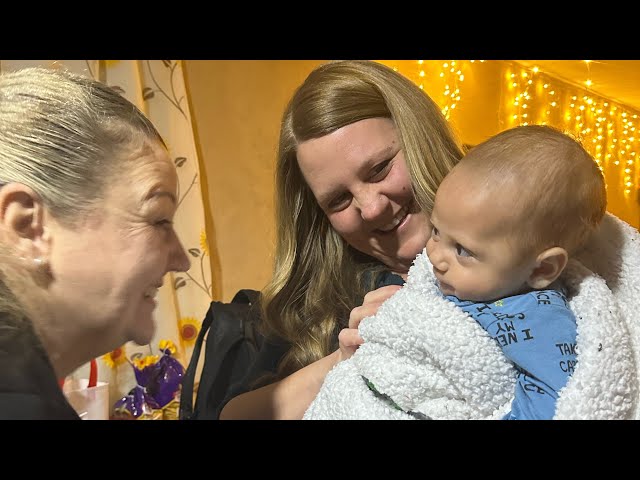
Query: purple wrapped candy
[
  {"x": 146, "y": 371},
  {"x": 139, "y": 402},
  {"x": 158, "y": 381},
  {"x": 168, "y": 375},
  {"x": 136, "y": 404}
]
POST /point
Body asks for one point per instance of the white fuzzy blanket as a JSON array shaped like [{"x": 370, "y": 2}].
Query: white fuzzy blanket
[{"x": 435, "y": 361}]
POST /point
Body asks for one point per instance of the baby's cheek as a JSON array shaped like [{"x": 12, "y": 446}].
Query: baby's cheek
[{"x": 429, "y": 247}]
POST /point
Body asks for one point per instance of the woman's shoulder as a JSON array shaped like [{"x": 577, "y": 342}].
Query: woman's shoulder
[
  {"x": 32, "y": 406},
  {"x": 375, "y": 277},
  {"x": 28, "y": 384},
  {"x": 387, "y": 277}
]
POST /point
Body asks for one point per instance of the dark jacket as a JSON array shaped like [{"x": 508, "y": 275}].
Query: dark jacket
[{"x": 29, "y": 389}]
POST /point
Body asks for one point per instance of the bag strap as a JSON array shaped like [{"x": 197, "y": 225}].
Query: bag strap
[{"x": 186, "y": 394}]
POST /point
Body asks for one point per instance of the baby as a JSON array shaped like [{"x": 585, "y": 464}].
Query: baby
[{"x": 505, "y": 221}]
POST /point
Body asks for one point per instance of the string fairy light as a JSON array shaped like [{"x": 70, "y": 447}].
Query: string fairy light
[
  {"x": 606, "y": 129},
  {"x": 452, "y": 75}
]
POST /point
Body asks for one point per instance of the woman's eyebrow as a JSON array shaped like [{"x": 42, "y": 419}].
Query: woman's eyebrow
[{"x": 162, "y": 193}]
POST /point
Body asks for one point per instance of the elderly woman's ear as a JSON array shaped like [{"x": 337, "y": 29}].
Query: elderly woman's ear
[{"x": 22, "y": 218}]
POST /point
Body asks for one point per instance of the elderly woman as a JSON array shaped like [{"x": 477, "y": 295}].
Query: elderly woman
[{"x": 87, "y": 198}]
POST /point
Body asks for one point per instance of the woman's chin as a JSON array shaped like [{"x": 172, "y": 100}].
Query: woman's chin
[{"x": 142, "y": 332}]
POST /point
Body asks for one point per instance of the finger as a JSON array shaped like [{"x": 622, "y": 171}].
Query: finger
[
  {"x": 350, "y": 341},
  {"x": 381, "y": 294},
  {"x": 371, "y": 304},
  {"x": 349, "y": 338},
  {"x": 359, "y": 313}
]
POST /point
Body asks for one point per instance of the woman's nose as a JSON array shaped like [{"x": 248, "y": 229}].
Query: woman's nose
[
  {"x": 371, "y": 204},
  {"x": 179, "y": 260}
]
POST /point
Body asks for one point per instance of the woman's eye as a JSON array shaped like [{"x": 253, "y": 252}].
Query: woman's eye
[
  {"x": 339, "y": 202},
  {"x": 462, "y": 252},
  {"x": 164, "y": 223},
  {"x": 380, "y": 170}
]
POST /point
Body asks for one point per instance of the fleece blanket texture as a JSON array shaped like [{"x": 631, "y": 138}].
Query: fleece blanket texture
[{"x": 424, "y": 358}]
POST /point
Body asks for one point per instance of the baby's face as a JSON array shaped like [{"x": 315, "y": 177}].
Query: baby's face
[{"x": 469, "y": 247}]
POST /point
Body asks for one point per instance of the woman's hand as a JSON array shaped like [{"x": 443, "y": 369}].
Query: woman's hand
[{"x": 349, "y": 338}]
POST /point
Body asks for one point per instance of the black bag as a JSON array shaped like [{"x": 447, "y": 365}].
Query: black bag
[{"x": 230, "y": 348}]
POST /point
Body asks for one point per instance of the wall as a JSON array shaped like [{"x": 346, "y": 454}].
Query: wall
[{"x": 236, "y": 108}]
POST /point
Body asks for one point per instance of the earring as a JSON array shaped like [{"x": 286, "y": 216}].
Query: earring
[
  {"x": 41, "y": 272},
  {"x": 37, "y": 262},
  {"x": 40, "y": 263}
]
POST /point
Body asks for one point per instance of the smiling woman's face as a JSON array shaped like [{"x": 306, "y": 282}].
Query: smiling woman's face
[
  {"x": 107, "y": 270},
  {"x": 359, "y": 177}
]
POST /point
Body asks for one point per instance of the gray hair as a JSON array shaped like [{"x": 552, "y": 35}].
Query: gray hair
[{"x": 63, "y": 135}]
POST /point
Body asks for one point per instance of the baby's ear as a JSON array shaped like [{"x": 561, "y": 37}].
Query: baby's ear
[{"x": 549, "y": 266}]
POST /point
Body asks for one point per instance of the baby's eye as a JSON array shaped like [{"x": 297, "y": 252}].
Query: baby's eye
[
  {"x": 462, "y": 252},
  {"x": 434, "y": 232}
]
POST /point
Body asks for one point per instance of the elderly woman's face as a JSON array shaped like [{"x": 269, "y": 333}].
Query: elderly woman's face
[
  {"x": 359, "y": 177},
  {"x": 108, "y": 270}
]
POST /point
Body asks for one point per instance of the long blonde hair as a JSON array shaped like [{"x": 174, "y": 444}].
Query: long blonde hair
[
  {"x": 318, "y": 277},
  {"x": 63, "y": 135}
]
